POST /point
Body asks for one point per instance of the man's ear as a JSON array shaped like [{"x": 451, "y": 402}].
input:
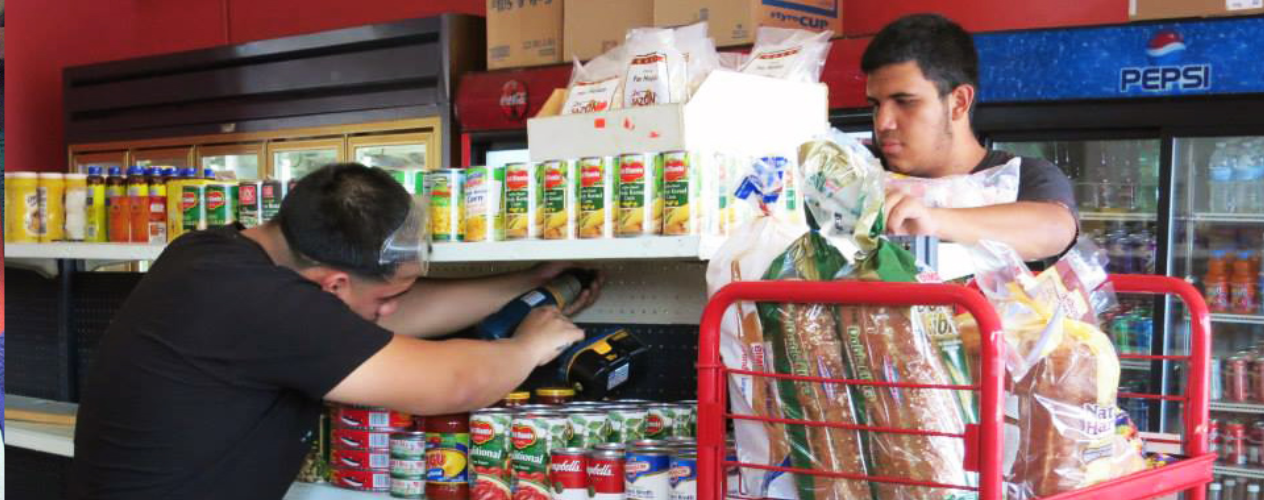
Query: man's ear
[
  {"x": 330, "y": 280},
  {"x": 962, "y": 98}
]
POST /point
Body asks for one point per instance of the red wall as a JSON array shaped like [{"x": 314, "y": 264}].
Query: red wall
[
  {"x": 866, "y": 17},
  {"x": 46, "y": 36}
]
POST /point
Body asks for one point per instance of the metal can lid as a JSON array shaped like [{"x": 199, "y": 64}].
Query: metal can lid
[
  {"x": 650, "y": 451},
  {"x": 541, "y": 414},
  {"x": 555, "y": 392},
  {"x": 537, "y": 407},
  {"x": 657, "y": 406},
  {"x": 674, "y": 440},
  {"x": 516, "y": 395},
  {"x": 379, "y": 430},
  {"x": 649, "y": 443},
  {"x": 611, "y": 446},
  {"x": 607, "y": 454},
  {"x": 684, "y": 453},
  {"x": 585, "y": 413},
  {"x": 569, "y": 451},
  {"x": 409, "y": 435},
  {"x": 493, "y": 411}
]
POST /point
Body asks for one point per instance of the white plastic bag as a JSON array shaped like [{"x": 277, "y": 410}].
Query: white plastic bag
[
  {"x": 789, "y": 54},
  {"x": 595, "y": 86},
  {"x": 992, "y": 186},
  {"x": 656, "y": 69}
]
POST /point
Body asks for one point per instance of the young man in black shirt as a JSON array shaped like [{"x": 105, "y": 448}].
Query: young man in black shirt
[
  {"x": 923, "y": 85},
  {"x": 209, "y": 382}
]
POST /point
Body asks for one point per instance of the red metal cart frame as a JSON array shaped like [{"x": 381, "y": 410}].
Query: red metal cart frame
[{"x": 983, "y": 441}]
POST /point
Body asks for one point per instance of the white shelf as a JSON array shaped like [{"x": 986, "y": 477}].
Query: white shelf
[
  {"x": 46, "y": 438},
  {"x": 1135, "y": 364},
  {"x": 648, "y": 247},
  {"x": 1250, "y": 472},
  {"x": 85, "y": 251},
  {"x": 1244, "y": 319},
  {"x": 1121, "y": 217},
  {"x": 1229, "y": 218},
  {"x": 323, "y": 491},
  {"x": 1237, "y": 407}
]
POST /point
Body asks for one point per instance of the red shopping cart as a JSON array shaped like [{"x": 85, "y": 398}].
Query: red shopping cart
[{"x": 983, "y": 441}]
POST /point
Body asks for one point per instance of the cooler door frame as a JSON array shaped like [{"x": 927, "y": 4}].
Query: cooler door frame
[
  {"x": 429, "y": 139},
  {"x": 256, "y": 148},
  {"x": 145, "y": 154},
  {"x": 86, "y": 158},
  {"x": 338, "y": 144}
]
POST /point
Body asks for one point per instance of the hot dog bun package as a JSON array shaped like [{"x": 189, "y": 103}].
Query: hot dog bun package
[
  {"x": 843, "y": 187},
  {"x": 992, "y": 186},
  {"x": 1064, "y": 430}
]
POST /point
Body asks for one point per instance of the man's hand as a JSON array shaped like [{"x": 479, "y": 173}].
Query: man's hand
[
  {"x": 546, "y": 333},
  {"x": 546, "y": 271},
  {"x": 907, "y": 216}
]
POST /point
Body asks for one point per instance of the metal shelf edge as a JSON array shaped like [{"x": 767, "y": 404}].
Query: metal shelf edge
[{"x": 1239, "y": 471}]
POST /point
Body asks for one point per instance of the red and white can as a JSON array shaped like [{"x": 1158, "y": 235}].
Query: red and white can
[
  {"x": 359, "y": 459},
  {"x": 568, "y": 471},
  {"x": 362, "y": 439},
  {"x": 360, "y": 479},
  {"x": 605, "y": 475},
  {"x": 368, "y": 417},
  {"x": 1238, "y": 379},
  {"x": 1215, "y": 439},
  {"x": 1235, "y": 444},
  {"x": 402, "y": 467}
]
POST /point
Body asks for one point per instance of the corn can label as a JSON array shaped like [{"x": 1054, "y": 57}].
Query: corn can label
[
  {"x": 559, "y": 204},
  {"x": 446, "y": 205},
  {"x": 484, "y": 214},
  {"x": 534, "y": 437},
  {"x": 193, "y": 207},
  {"x": 596, "y": 198},
  {"x": 446, "y": 457},
  {"x": 681, "y": 192},
  {"x": 640, "y": 195},
  {"x": 490, "y": 454},
  {"x": 523, "y": 216}
]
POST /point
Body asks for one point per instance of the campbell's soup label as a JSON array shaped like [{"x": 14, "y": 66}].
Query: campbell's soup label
[
  {"x": 489, "y": 454},
  {"x": 568, "y": 473},
  {"x": 606, "y": 476},
  {"x": 523, "y": 215},
  {"x": 640, "y": 201}
]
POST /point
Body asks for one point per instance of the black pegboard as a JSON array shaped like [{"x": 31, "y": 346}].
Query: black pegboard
[
  {"x": 31, "y": 332},
  {"x": 31, "y": 475},
  {"x": 94, "y": 299},
  {"x": 667, "y": 372}
]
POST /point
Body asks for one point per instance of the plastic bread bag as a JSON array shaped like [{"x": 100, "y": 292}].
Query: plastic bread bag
[
  {"x": 745, "y": 256},
  {"x": 788, "y": 54},
  {"x": 993, "y": 186},
  {"x": 732, "y": 61},
  {"x": 595, "y": 86},
  {"x": 657, "y": 72}
]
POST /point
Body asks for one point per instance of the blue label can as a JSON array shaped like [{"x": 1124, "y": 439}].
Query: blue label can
[
  {"x": 683, "y": 475},
  {"x": 646, "y": 471}
]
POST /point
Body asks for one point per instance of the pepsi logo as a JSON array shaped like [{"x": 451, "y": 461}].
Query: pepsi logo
[{"x": 1164, "y": 43}]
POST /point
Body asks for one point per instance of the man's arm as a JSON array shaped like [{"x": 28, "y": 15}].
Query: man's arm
[
  {"x": 1036, "y": 230},
  {"x": 435, "y": 307},
  {"x": 427, "y": 377}
]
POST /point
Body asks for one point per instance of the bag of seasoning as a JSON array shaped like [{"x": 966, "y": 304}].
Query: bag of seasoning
[
  {"x": 595, "y": 86},
  {"x": 789, "y": 54},
  {"x": 657, "y": 72}
]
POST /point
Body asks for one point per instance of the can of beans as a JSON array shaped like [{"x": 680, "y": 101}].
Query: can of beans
[
  {"x": 659, "y": 421},
  {"x": 408, "y": 487},
  {"x": 627, "y": 424},
  {"x": 360, "y": 479},
  {"x": 646, "y": 474},
  {"x": 588, "y": 428},
  {"x": 489, "y": 453},
  {"x": 447, "y": 204},
  {"x": 368, "y": 417},
  {"x": 605, "y": 475},
  {"x": 523, "y": 216},
  {"x": 363, "y": 439},
  {"x": 640, "y": 195},
  {"x": 534, "y": 436},
  {"x": 568, "y": 472},
  {"x": 683, "y": 475},
  {"x": 684, "y": 416},
  {"x": 360, "y": 459},
  {"x": 1235, "y": 444}
]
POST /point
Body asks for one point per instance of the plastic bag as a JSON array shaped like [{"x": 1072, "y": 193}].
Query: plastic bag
[
  {"x": 1062, "y": 411},
  {"x": 993, "y": 186},
  {"x": 732, "y": 61},
  {"x": 656, "y": 69},
  {"x": 595, "y": 86},
  {"x": 789, "y": 54}
]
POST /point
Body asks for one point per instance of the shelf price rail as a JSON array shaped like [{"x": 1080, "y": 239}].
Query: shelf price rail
[{"x": 983, "y": 441}]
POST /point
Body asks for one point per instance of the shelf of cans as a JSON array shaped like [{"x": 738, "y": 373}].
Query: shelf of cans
[
  {"x": 633, "y": 449},
  {"x": 144, "y": 207}
]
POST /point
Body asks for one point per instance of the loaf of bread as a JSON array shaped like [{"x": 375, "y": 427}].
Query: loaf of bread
[{"x": 889, "y": 344}]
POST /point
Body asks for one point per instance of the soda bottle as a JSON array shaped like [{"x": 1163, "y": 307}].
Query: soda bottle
[
  {"x": 1121, "y": 329},
  {"x": 120, "y": 226},
  {"x": 1242, "y": 285},
  {"x": 1216, "y": 283},
  {"x": 96, "y": 221},
  {"x": 157, "y": 230},
  {"x": 1143, "y": 331},
  {"x": 138, "y": 204}
]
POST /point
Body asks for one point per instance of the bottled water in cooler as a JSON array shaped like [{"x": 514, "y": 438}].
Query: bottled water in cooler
[{"x": 1220, "y": 176}]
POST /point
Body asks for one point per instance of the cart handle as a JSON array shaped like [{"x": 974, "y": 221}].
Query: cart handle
[{"x": 712, "y": 386}]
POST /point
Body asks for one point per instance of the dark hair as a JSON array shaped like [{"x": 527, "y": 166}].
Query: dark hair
[
  {"x": 340, "y": 215},
  {"x": 941, "y": 48}
]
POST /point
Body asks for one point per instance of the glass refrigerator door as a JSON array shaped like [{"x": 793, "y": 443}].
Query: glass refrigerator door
[
  {"x": 292, "y": 160},
  {"x": 403, "y": 155},
  {"x": 1116, "y": 188},
  {"x": 166, "y": 157},
  {"x": 1217, "y": 241},
  {"x": 235, "y": 161}
]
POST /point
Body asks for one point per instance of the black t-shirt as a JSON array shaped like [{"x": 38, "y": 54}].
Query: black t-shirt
[
  {"x": 208, "y": 383},
  {"x": 1038, "y": 180}
]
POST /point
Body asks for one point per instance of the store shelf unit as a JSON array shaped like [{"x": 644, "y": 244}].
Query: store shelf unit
[
  {"x": 1240, "y": 319},
  {"x": 86, "y": 251},
  {"x": 1117, "y": 217},
  {"x": 1249, "y": 472},
  {"x": 45, "y": 438},
  {"x": 1235, "y": 407},
  {"x": 1225, "y": 218}
]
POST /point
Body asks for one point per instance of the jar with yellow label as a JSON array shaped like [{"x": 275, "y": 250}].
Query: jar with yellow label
[
  {"x": 21, "y": 193},
  {"x": 52, "y": 207}
]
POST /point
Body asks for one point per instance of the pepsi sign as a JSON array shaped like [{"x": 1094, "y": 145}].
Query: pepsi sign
[{"x": 1166, "y": 48}]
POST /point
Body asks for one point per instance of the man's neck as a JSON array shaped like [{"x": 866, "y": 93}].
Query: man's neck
[
  {"x": 270, "y": 237},
  {"x": 966, "y": 154}
]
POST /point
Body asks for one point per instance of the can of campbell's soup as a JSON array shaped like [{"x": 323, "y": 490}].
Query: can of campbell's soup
[
  {"x": 683, "y": 475},
  {"x": 568, "y": 472},
  {"x": 363, "y": 439},
  {"x": 367, "y": 417},
  {"x": 605, "y": 475},
  {"x": 360, "y": 479},
  {"x": 360, "y": 459},
  {"x": 646, "y": 473}
]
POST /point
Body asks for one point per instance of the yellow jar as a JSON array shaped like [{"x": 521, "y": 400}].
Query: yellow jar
[
  {"x": 22, "y": 197},
  {"x": 52, "y": 207}
]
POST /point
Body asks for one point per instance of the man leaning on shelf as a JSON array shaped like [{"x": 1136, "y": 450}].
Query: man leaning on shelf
[
  {"x": 209, "y": 382},
  {"x": 923, "y": 81}
]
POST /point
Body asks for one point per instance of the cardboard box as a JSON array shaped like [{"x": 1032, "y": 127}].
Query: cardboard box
[
  {"x": 1139, "y": 10},
  {"x": 523, "y": 33},
  {"x": 594, "y": 26},
  {"x": 734, "y": 22}
]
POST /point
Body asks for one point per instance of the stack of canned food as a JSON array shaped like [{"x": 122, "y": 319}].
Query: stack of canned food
[
  {"x": 637, "y": 194},
  {"x": 368, "y": 446}
]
